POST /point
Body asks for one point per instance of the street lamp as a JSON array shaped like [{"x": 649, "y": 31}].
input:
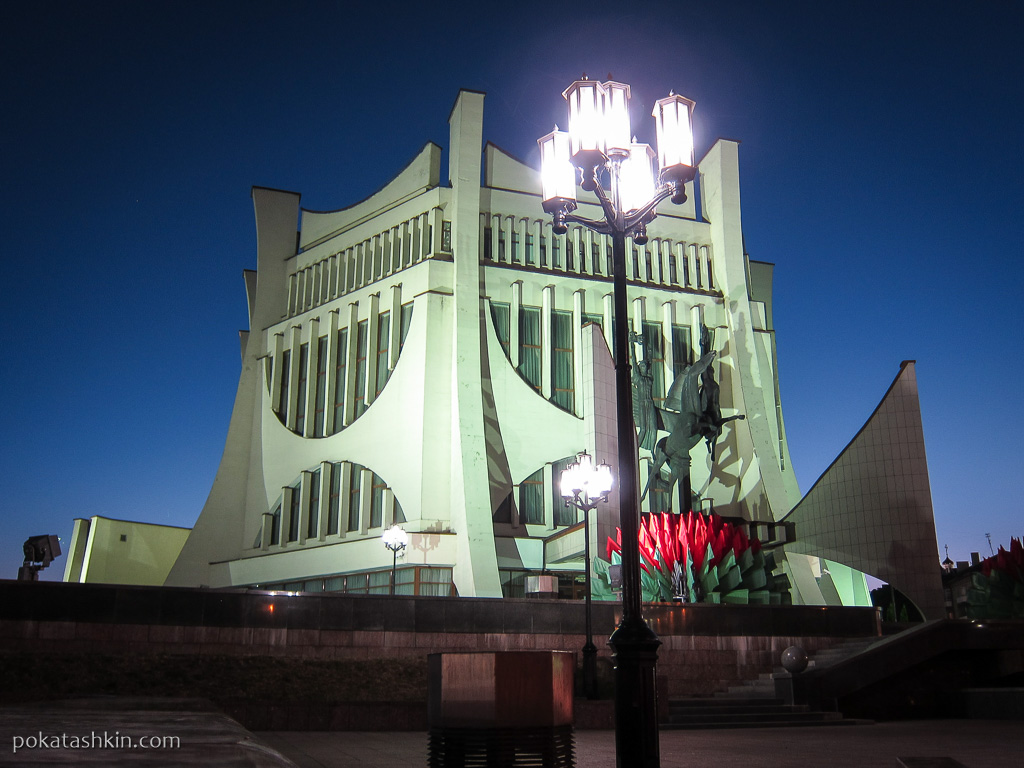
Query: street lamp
[
  {"x": 395, "y": 539},
  {"x": 583, "y": 485},
  {"x": 598, "y": 143}
]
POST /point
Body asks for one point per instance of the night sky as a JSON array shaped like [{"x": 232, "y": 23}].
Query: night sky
[{"x": 881, "y": 166}]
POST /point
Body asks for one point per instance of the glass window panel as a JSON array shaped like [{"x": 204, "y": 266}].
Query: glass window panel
[
  {"x": 293, "y": 515},
  {"x": 383, "y": 337},
  {"x": 564, "y": 515},
  {"x": 529, "y": 345},
  {"x": 379, "y": 582},
  {"x": 361, "y": 348},
  {"x": 682, "y": 350},
  {"x": 314, "y": 505},
  {"x": 339, "y": 379},
  {"x": 300, "y": 403},
  {"x": 275, "y": 528},
  {"x": 654, "y": 350},
  {"x": 562, "y": 360},
  {"x": 321, "y": 385},
  {"x": 531, "y": 498},
  {"x": 406, "y": 321},
  {"x": 377, "y": 502},
  {"x": 334, "y": 584},
  {"x": 282, "y": 404},
  {"x": 500, "y": 316},
  {"x": 353, "y": 498},
  {"x": 334, "y": 504}
]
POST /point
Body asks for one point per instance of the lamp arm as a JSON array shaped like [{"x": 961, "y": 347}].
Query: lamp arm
[
  {"x": 645, "y": 214},
  {"x": 601, "y": 227}
]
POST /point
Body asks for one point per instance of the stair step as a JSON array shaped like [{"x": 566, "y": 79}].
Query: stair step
[{"x": 724, "y": 724}]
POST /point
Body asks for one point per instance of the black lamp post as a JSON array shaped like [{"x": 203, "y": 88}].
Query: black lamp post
[
  {"x": 395, "y": 539},
  {"x": 598, "y": 143},
  {"x": 583, "y": 485}
]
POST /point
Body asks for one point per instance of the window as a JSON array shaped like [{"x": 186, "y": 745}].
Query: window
[
  {"x": 654, "y": 350},
  {"x": 275, "y": 527},
  {"x": 531, "y": 499},
  {"x": 293, "y": 515},
  {"x": 515, "y": 247},
  {"x": 596, "y": 319},
  {"x": 353, "y": 497},
  {"x": 562, "y": 360},
  {"x": 321, "y": 386},
  {"x": 406, "y": 321},
  {"x": 339, "y": 379},
  {"x": 334, "y": 500},
  {"x": 673, "y": 277},
  {"x": 529, "y": 345},
  {"x": 564, "y": 515},
  {"x": 361, "y": 345},
  {"x": 446, "y": 236},
  {"x": 556, "y": 255},
  {"x": 595, "y": 258},
  {"x": 282, "y": 404},
  {"x": 529, "y": 250},
  {"x": 377, "y": 489},
  {"x": 383, "y": 336},
  {"x": 682, "y": 350},
  {"x": 313, "y": 523},
  {"x": 570, "y": 255},
  {"x": 500, "y": 316},
  {"x": 300, "y": 404},
  {"x": 488, "y": 251}
]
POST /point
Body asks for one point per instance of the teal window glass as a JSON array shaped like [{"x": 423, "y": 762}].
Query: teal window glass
[
  {"x": 361, "y": 347},
  {"x": 334, "y": 500},
  {"x": 654, "y": 349},
  {"x": 529, "y": 345},
  {"x": 383, "y": 337},
  {"x": 563, "y": 394},
  {"x": 282, "y": 404},
  {"x": 500, "y": 316},
  {"x": 321, "y": 386},
  {"x": 682, "y": 349},
  {"x": 313, "y": 524},
  {"x": 564, "y": 515},
  {"x": 531, "y": 499},
  {"x": 300, "y": 403},
  {"x": 339, "y": 379},
  {"x": 406, "y": 322},
  {"x": 377, "y": 489},
  {"x": 293, "y": 515},
  {"x": 353, "y": 497}
]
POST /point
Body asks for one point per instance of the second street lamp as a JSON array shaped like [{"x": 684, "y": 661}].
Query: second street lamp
[
  {"x": 583, "y": 486},
  {"x": 395, "y": 538},
  {"x": 598, "y": 121}
]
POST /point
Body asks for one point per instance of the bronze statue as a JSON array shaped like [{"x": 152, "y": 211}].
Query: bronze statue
[{"x": 645, "y": 413}]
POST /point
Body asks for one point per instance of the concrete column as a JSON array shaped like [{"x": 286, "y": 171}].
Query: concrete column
[
  {"x": 268, "y": 531},
  {"x": 476, "y": 566},
  {"x": 606, "y": 323},
  {"x": 395, "y": 338},
  {"x": 275, "y": 380},
  {"x": 668, "y": 319}
]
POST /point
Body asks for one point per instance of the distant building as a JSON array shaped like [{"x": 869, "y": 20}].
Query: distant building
[
  {"x": 433, "y": 356},
  {"x": 107, "y": 551}
]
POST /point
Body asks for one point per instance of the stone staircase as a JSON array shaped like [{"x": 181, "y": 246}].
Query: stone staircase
[{"x": 754, "y": 703}]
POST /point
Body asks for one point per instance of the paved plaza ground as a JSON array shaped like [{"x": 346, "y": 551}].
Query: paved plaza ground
[{"x": 207, "y": 737}]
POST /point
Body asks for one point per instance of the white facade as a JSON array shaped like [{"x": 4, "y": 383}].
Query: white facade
[{"x": 427, "y": 356}]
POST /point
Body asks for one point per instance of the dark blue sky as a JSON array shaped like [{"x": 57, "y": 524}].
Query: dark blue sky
[{"x": 881, "y": 167}]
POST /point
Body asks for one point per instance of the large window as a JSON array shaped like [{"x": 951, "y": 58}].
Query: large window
[
  {"x": 282, "y": 404},
  {"x": 355, "y": 479},
  {"x": 530, "y": 345},
  {"x": 500, "y": 316},
  {"x": 654, "y": 350},
  {"x": 300, "y": 404},
  {"x": 340, "y": 379},
  {"x": 334, "y": 501},
  {"x": 293, "y": 515},
  {"x": 682, "y": 349},
  {"x": 406, "y": 321},
  {"x": 361, "y": 345},
  {"x": 564, "y": 514},
  {"x": 383, "y": 339},
  {"x": 313, "y": 524},
  {"x": 561, "y": 360},
  {"x": 531, "y": 499},
  {"x": 321, "y": 385}
]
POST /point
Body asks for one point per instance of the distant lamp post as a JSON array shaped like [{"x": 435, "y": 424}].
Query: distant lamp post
[
  {"x": 395, "y": 539},
  {"x": 599, "y": 144},
  {"x": 583, "y": 485}
]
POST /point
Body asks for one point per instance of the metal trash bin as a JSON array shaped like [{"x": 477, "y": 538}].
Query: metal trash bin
[{"x": 500, "y": 709}]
